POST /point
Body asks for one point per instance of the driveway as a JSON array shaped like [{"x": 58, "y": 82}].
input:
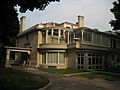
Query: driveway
[{"x": 60, "y": 82}]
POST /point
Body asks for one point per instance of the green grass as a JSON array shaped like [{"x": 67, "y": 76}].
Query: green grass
[
  {"x": 95, "y": 75},
  {"x": 17, "y": 80},
  {"x": 61, "y": 71}
]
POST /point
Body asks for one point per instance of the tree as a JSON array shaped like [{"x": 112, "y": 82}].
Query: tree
[
  {"x": 9, "y": 24},
  {"x": 116, "y": 11}
]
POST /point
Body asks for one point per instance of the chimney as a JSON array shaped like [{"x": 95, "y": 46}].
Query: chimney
[
  {"x": 80, "y": 21},
  {"x": 22, "y": 23}
]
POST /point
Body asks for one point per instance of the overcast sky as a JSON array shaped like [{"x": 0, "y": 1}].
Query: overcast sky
[{"x": 96, "y": 13}]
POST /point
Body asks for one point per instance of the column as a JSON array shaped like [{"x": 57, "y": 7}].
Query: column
[
  {"x": 7, "y": 63},
  {"x": 68, "y": 37},
  {"x": 86, "y": 61},
  {"x": 59, "y": 36},
  {"x": 46, "y": 55},
  {"x": 46, "y": 36},
  {"x": 82, "y": 36},
  {"x": 58, "y": 58}
]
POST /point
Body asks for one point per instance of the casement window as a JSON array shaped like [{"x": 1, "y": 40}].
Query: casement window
[
  {"x": 43, "y": 58},
  {"x": 80, "y": 61},
  {"x": 78, "y": 35},
  {"x": 50, "y": 32},
  {"x": 96, "y": 38},
  {"x": 61, "y": 58},
  {"x": 55, "y": 32},
  {"x": 104, "y": 40},
  {"x": 52, "y": 58},
  {"x": 87, "y": 36},
  {"x": 95, "y": 61}
]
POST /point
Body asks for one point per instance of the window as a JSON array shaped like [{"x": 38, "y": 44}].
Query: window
[
  {"x": 62, "y": 32},
  {"x": 44, "y": 58},
  {"x": 96, "y": 38},
  {"x": 78, "y": 34},
  {"x": 95, "y": 61},
  {"x": 80, "y": 61},
  {"x": 104, "y": 40},
  {"x": 61, "y": 58},
  {"x": 55, "y": 32},
  {"x": 68, "y": 27},
  {"x": 52, "y": 58},
  {"x": 12, "y": 55},
  {"x": 87, "y": 36},
  {"x": 50, "y": 32}
]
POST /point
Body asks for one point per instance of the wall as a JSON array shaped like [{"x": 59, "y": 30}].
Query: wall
[{"x": 30, "y": 40}]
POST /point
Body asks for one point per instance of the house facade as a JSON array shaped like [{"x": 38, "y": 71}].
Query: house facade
[{"x": 68, "y": 45}]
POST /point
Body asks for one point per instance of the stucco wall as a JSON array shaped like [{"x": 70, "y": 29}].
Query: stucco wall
[
  {"x": 71, "y": 58},
  {"x": 24, "y": 41}
]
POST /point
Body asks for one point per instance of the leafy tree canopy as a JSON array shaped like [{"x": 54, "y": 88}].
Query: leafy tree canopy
[
  {"x": 116, "y": 11},
  {"x": 9, "y": 24}
]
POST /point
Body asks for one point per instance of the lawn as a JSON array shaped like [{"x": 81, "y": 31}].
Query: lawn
[
  {"x": 17, "y": 80},
  {"x": 97, "y": 75},
  {"x": 61, "y": 71}
]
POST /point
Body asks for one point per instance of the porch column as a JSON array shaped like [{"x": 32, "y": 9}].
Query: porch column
[
  {"x": 46, "y": 37},
  {"x": 82, "y": 35},
  {"x": 85, "y": 61},
  {"x": 59, "y": 35},
  {"x": 68, "y": 37},
  {"x": 7, "y": 62}
]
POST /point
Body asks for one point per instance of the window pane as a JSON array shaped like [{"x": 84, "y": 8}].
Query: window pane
[
  {"x": 61, "y": 58},
  {"x": 55, "y": 32},
  {"x": 52, "y": 58},
  {"x": 87, "y": 36},
  {"x": 50, "y": 32},
  {"x": 43, "y": 58}
]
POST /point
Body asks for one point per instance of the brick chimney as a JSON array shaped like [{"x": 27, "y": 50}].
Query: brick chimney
[
  {"x": 80, "y": 21},
  {"x": 22, "y": 23}
]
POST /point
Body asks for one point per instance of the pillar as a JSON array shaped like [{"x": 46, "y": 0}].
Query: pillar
[
  {"x": 82, "y": 36},
  {"x": 7, "y": 63},
  {"x": 68, "y": 37},
  {"x": 59, "y": 36},
  {"x": 86, "y": 61},
  {"x": 46, "y": 36}
]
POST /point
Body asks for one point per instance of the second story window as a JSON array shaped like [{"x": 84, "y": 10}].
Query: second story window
[
  {"x": 49, "y": 32},
  {"x": 55, "y": 32},
  {"x": 87, "y": 36}
]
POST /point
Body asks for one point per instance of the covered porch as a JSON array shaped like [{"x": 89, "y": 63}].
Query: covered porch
[{"x": 16, "y": 53}]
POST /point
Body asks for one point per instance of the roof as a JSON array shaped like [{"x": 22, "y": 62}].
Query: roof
[
  {"x": 96, "y": 30},
  {"x": 68, "y": 23}
]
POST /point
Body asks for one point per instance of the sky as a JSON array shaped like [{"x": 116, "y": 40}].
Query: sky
[{"x": 96, "y": 13}]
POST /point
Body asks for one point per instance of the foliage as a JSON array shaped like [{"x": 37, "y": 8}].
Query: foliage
[
  {"x": 116, "y": 11},
  {"x": 9, "y": 24},
  {"x": 17, "y": 80}
]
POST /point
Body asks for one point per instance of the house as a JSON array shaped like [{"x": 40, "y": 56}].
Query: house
[{"x": 65, "y": 45}]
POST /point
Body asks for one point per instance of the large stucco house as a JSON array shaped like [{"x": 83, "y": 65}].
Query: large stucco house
[{"x": 65, "y": 45}]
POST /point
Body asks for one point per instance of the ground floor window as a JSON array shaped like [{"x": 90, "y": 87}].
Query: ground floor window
[
  {"x": 43, "y": 58},
  {"x": 80, "y": 61},
  {"x": 53, "y": 58},
  {"x": 95, "y": 61},
  {"x": 90, "y": 61},
  {"x": 61, "y": 58}
]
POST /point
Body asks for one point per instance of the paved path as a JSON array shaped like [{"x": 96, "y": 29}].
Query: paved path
[{"x": 59, "y": 82}]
